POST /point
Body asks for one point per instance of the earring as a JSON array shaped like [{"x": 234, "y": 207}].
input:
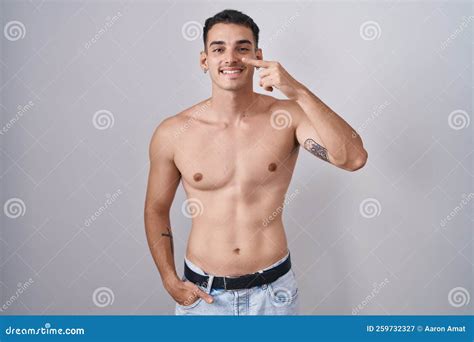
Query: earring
[{"x": 205, "y": 70}]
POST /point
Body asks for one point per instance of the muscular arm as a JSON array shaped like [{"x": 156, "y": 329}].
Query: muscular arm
[
  {"x": 346, "y": 153},
  {"x": 316, "y": 149},
  {"x": 163, "y": 180}
]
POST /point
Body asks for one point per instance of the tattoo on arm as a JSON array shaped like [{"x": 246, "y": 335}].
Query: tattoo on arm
[
  {"x": 316, "y": 149},
  {"x": 170, "y": 235}
]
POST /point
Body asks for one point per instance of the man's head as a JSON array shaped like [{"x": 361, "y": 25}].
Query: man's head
[
  {"x": 228, "y": 36},
  {"x": 229, "y": 16}
]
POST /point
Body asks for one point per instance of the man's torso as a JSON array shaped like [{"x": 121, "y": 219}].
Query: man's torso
[{"x": 235, "y": 178}]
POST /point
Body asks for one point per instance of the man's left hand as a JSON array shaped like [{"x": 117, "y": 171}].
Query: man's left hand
[{"x": 274, "y": 75}]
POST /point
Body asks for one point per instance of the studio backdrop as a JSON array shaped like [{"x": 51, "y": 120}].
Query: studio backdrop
[{"x": 84, "y": 84}]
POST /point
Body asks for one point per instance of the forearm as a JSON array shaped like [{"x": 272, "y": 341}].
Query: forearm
[
  {"x": 341, "y": 141},
  {"x": 160, "y": 242}
]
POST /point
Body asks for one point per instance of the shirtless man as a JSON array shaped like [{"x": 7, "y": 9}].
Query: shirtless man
[{"x": 235, "y": 154}]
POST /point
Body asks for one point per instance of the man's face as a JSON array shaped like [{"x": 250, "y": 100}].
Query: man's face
[{"x": 226, "y": 45}]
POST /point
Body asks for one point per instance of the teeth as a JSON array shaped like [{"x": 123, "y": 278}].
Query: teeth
[{"x": 231, "y": 71}]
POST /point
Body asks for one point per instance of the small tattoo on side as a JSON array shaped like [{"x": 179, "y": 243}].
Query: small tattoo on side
[
  {"x": 170, "y": 235},
  {"x": 316, "y": 149}
]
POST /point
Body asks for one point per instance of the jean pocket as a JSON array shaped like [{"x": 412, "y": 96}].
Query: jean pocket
[{"x": 284, "y": 290}]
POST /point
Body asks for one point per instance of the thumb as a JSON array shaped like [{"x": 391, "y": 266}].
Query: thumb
[{"x": 208, "y": 298}]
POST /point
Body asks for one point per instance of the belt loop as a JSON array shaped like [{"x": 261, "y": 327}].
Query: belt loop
[{"x": 209, "y": 283}]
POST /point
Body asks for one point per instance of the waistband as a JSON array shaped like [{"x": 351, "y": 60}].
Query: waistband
[{"x": 198, "y": 270}]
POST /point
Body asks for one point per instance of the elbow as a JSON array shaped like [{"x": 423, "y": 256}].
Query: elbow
[{"x": 358, "y": 163}]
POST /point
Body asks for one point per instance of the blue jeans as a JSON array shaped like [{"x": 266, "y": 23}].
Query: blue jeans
[{"x": 277, "y": 298}]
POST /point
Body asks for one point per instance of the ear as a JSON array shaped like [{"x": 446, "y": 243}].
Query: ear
[
  {"x": 203, "y": 60},
  {"x": 259, "y": 54}
]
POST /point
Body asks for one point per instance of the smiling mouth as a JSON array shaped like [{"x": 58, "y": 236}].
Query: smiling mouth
[{"x": 231, "y": 71}]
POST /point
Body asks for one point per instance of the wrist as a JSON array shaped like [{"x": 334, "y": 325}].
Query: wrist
[
  {"x": 170, "y": 282},
  {"x": 301, "y": 93}
]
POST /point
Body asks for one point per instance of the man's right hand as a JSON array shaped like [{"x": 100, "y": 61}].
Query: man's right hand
[{"x": 185, "y": 292}]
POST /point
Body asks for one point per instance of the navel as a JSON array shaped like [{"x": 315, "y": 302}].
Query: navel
[
  {"x": 236, "y": 250},
  {"x": 197, "y": 177},
  {"x": 272, "y": 167}
]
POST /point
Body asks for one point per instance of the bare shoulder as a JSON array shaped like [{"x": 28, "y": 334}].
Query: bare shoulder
[
  {"x": 164, "y": 130},
  {"x": 289, "y": 108},
  {"x": 289, "y": 105},
  {"x": 170, "y": 127},
  {"x": 167, "y": 133}
]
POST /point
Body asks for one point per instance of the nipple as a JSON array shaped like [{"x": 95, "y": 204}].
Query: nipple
[
  {"x": 197, "y": 177},
  {"x": 272, "y": 167}
]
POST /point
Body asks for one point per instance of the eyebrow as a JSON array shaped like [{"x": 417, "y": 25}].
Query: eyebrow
[{"x": 221, "y": 42}]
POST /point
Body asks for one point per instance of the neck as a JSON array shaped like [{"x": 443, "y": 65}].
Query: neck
[{"x": 231, "y": 104}]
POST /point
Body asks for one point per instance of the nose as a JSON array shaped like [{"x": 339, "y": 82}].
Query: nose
[{"x": 230, "y": 57}]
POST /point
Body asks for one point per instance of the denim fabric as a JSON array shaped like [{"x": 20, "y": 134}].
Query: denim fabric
[{"x": 277, "y": 298}]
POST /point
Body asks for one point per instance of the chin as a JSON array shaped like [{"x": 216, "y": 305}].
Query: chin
[{"x": 234, "y": 86}]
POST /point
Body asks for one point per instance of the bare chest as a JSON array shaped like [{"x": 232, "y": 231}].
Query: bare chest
[{"x": 246, "y": 157}]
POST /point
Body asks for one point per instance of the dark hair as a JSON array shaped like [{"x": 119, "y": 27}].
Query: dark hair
[{"x": 230, "y": 16}]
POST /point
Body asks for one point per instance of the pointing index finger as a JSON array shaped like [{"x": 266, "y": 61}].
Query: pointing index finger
[{"x": 256, "y": 62}]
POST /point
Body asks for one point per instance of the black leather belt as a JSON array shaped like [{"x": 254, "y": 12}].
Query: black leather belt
[{"x": 242, "y": 282}]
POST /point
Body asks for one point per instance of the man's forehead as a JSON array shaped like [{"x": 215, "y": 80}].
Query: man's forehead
[{"x": 230, "y": 33}]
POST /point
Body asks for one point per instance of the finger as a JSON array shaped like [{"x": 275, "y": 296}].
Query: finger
[
  {"x": 208, "y": 298},
  {"x": 265, "y": 79},
  {"x": 266, "y": 84},
  {"x": 196, "y": 290},
  {"x": 256, "y": 62},
  {"x": 190, "y": 286},
  {"x": 264, "y": 73}
]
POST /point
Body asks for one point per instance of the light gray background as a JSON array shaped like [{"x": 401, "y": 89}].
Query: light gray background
[{"x": 398, "y": 90}]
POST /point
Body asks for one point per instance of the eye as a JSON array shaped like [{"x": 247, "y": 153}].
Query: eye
[
  {"x": 218, "y": 50},
  {"x": 244, "y": 49}
]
